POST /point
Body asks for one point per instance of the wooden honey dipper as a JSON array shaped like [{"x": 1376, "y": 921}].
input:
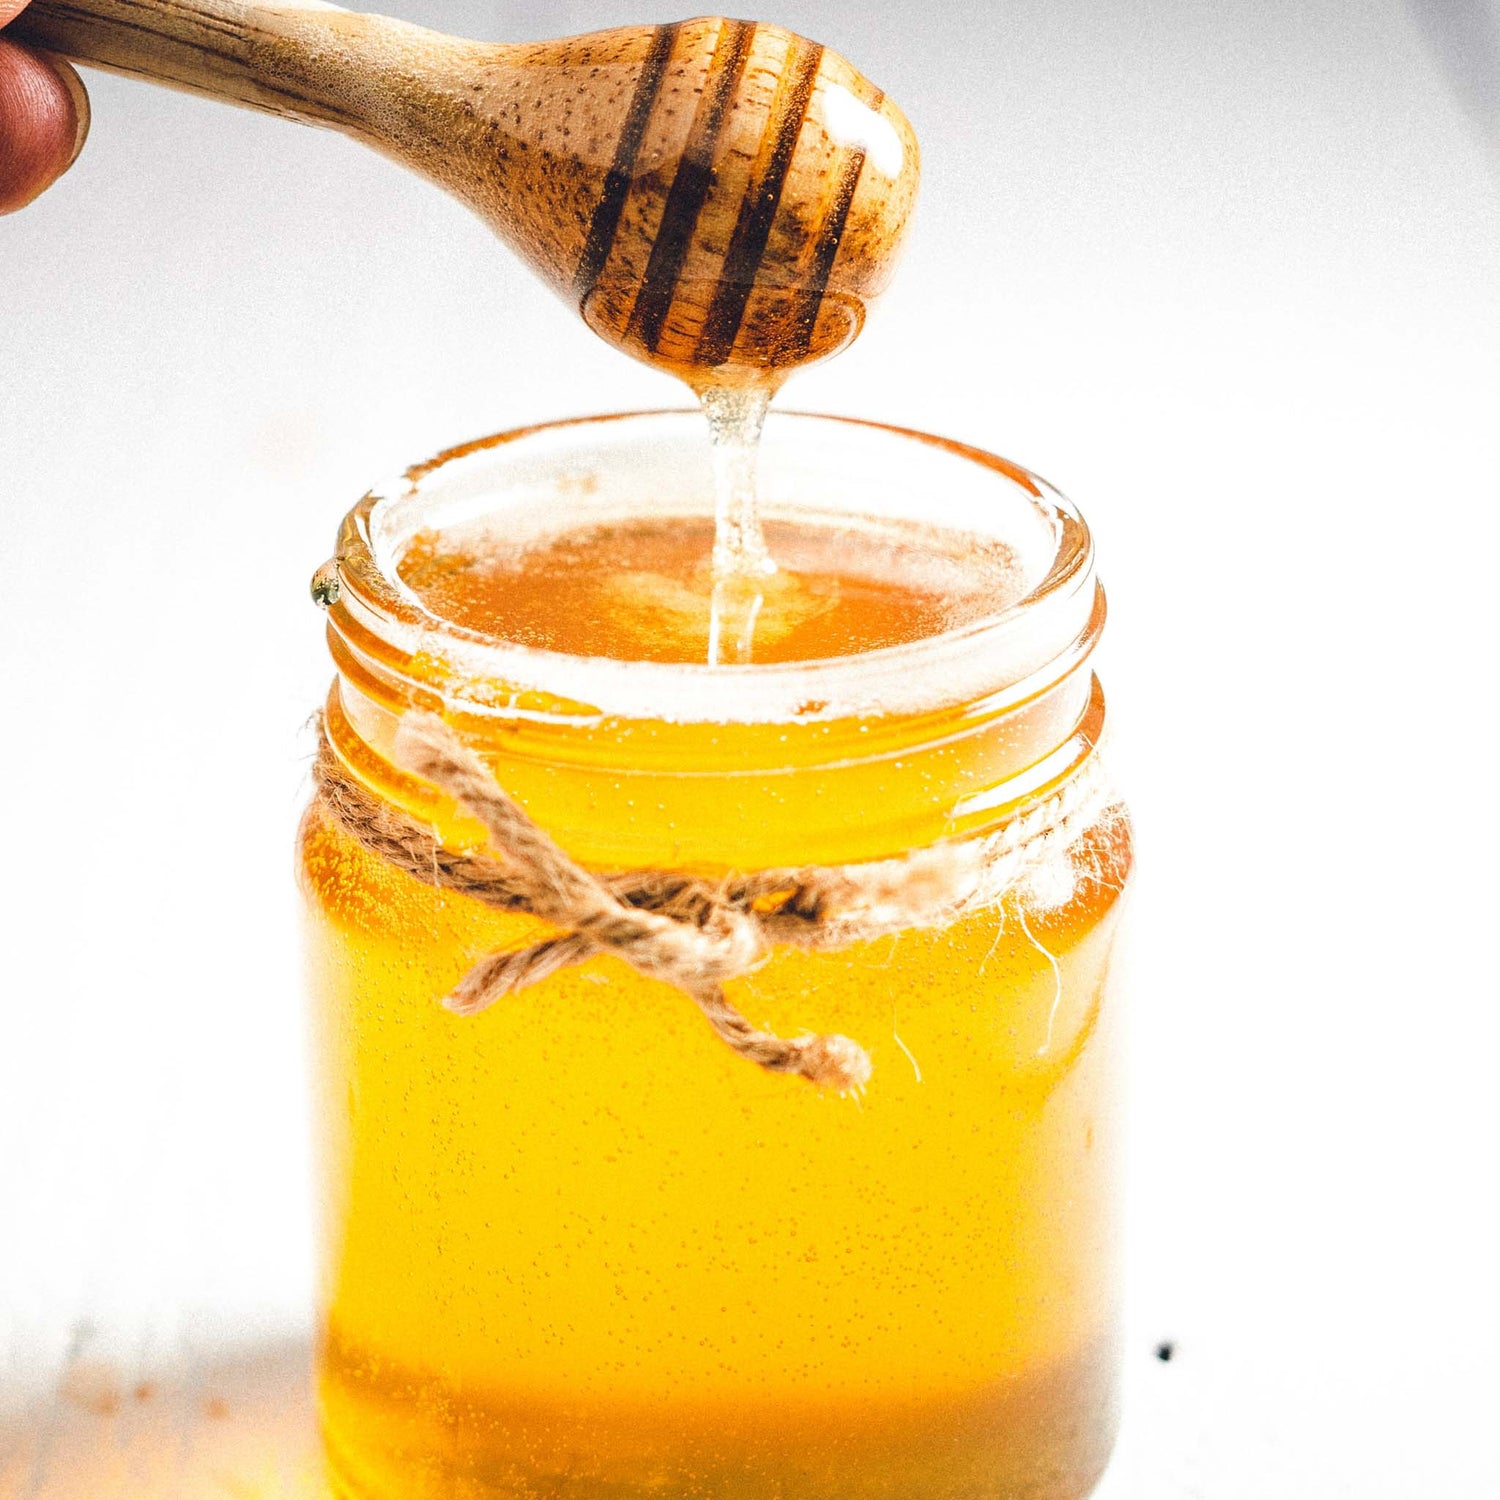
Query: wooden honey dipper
[{"x": 719, "y": 198}]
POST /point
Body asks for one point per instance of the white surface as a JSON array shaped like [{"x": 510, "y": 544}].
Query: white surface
[{"x": 1229, "y": 275}]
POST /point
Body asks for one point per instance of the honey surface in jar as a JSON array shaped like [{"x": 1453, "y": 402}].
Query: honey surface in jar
[
  {"x": 577, "y": 1247},
  {"x": 644, "y": 590}
]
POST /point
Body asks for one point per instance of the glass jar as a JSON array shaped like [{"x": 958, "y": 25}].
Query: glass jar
[{"x": 574, "y": 1245}]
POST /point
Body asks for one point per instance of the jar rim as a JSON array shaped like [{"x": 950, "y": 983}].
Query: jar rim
[{"x": 1004, "y": 658}]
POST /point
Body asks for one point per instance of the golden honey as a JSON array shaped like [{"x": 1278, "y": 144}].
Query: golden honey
[{"x": 574, "y": 1246}]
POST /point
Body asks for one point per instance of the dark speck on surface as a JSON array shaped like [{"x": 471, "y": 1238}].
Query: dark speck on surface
[{"x": 1165, "y": 1350}]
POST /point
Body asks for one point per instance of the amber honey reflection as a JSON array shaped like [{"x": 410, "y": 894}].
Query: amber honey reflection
[{"x": 227, "y": 1426}]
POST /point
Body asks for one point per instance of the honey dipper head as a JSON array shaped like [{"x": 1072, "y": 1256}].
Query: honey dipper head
[{"x": 719, "y": 198}]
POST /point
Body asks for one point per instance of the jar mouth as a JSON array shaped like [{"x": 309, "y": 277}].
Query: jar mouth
[{"x": 809, "y": 464}]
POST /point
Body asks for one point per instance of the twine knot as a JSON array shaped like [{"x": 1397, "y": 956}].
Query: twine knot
[{"x": 696, "y": 939}]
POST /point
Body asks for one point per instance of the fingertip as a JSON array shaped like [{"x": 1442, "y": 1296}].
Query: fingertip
[
  {"x": 44, "y": 120},
  {"x": 78, "y": 95}
]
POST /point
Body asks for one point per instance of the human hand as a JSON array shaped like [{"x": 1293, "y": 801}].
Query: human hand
[{"x": 44, "y": 117}]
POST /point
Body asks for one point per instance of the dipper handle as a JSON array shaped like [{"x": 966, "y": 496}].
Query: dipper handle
[{"x": 271, "y": 57}]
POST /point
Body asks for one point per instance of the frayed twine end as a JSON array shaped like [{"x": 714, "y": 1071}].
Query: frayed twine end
[{"x": 835, "y": 1062}]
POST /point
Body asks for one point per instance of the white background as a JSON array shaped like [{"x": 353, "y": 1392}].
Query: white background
[{"x": 1229, "y": 275}]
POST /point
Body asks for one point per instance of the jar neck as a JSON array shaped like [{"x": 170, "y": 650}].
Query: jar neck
[
  {"x": 634, "y": 765},
  {"x": 641, "y": 794}
]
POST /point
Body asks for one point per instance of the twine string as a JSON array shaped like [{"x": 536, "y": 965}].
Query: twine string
[{"x": 684, "y": 930}]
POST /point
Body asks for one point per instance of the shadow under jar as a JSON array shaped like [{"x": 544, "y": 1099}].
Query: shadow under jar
[{"x": 575, "y": 1246}]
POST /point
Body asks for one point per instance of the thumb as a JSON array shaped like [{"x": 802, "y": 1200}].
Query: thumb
[{"x": 44, "y": 118}]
